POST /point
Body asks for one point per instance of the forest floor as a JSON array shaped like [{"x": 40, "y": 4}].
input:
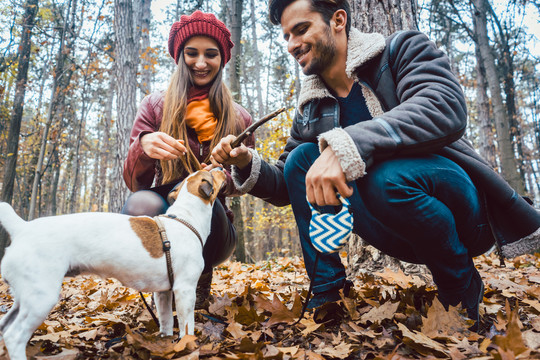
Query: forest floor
[{"x": 254, "y": 307}]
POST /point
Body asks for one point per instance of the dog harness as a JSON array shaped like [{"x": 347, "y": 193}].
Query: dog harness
[
  {"x": 167, "y": 243},
  {"x": 167, "y": 250}
]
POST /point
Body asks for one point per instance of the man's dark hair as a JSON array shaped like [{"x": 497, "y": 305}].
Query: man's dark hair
[{"x": 326, "y": 8}]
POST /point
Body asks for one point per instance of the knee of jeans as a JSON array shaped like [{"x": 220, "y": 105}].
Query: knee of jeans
[
  {"x": 383, "y": 183},
  {"x": 300, "y": 159},
  {"x": 145, "y": 202}
]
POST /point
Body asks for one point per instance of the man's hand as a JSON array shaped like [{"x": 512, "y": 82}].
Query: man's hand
[
  {"x": 161, "y": 146},
  {"x": 223, "y": 153},
  {"x": 325, "y": 178}
]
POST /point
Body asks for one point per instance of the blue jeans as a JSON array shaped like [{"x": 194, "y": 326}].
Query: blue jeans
[{"x": 422, "y": 209}]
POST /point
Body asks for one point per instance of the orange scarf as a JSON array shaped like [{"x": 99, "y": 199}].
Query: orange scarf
[{"x": 200, "y": 118}]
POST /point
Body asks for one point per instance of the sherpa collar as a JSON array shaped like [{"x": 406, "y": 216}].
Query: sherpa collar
[{"x": 361, "y": 47}]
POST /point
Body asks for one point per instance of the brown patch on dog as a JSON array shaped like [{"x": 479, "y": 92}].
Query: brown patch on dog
[{"x": 147, "y": 230}]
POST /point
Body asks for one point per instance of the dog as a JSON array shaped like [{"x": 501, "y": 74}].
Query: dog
[{"x": 124, "y": 247}]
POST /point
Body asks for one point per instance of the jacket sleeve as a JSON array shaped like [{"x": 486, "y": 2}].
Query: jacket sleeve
[
  {"x": 139, "y": 168},
  {"x": 264, "y": 180},
  {"x": 245, "y": 120},
  {"x": 431, "y": 111}
]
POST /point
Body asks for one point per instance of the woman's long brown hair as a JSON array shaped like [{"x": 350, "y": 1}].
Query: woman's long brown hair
[{"x": 174, "y": 124}]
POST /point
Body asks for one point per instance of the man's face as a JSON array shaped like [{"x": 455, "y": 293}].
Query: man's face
[{"x": 310, "y": 39}]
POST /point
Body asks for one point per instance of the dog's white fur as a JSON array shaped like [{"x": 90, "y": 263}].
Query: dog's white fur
[{"x": 44, "y": 250}]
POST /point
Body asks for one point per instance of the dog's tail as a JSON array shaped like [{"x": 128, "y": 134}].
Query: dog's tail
[{"x": 9, "y": 218}]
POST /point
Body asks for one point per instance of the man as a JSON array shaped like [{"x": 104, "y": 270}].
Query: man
[{"x": 380, "y": 121}]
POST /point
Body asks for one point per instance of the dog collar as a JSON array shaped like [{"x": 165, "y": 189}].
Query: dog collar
[{"x": 188, "y": 225}]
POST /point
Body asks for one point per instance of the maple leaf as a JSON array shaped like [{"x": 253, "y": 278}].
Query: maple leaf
[
  {"x": 383, "y": 312},
  {"x": 235, "y": 329},
  {"x": 399, "y": 278},
  {"x": 440, "y": 322},
  {"x": 280, "y": 313}
]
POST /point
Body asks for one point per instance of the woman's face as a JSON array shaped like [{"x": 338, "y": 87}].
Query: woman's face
[{"x": 202, "y": 57}]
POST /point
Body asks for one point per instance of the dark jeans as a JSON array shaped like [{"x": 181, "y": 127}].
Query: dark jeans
[
  {"x": 222, "y": 239},
  {"x": 421, "y": 209}
]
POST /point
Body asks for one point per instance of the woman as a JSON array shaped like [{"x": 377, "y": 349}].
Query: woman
[{"x": 174, "y": 132}]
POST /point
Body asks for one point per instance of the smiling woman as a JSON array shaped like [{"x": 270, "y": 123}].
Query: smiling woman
[{"x": 174, "y": 132}]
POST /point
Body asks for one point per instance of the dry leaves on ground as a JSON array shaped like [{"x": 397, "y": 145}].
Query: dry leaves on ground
[{"x": 254, "y": 311}]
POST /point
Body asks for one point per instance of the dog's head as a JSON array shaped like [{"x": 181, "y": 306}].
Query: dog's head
[{"x": 203, "y": 184}]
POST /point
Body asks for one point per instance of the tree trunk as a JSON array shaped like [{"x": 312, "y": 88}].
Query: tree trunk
[
  {"x": 146, "y": 53},
  {"x": 23, "y": 55},
  {"x": 506, "y": 67},
  {"x": 25, "y": 47},
  {"x": 486, "y": 141},
  {"x": 257, "y": 60},
  {"x": 234, "y": 66},
  {"x": 384, "y": 16},
  {"x": 61, "y": 80},
  {"x": 509, "y": 166},
  {"x": 105, "y": 150},
  {"x": 126, "y": 81}
]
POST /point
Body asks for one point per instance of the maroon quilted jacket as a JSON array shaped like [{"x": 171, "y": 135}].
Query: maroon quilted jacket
[{"x": 141, "y": 171}]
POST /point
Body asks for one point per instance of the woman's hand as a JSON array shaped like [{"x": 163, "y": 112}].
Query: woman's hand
[
  {"x": 223, "y": 153},
  {"x": 161, "y": 146}
]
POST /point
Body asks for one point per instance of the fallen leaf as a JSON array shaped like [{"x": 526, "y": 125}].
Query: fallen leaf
[
  {"x": 421, "y": 343},
  {"x": 383, "y": 312},
  {"x": 440, "y": 322},
  {"x": 235, "y": 329},
  {"x": 513, "y": 340}
]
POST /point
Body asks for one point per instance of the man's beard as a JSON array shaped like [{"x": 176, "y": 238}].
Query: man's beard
[{"x": 325, "y": 49}]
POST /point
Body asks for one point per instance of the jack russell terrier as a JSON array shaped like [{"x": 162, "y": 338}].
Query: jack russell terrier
[{"x": 125, "y": 247}]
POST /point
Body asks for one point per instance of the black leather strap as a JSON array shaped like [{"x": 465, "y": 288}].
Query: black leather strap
[{"x": 166, "y": 249}]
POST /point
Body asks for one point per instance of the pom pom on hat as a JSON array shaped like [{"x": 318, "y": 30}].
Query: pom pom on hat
[{"x": 200, "y": 23}]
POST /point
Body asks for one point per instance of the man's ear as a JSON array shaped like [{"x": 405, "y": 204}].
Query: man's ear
[{"x": 339, "y": 20}]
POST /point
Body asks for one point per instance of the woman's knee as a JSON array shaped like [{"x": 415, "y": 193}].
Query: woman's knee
[{"x": 145, "y": 202}]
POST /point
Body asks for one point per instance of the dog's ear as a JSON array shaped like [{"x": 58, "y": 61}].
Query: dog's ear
[{"x": 206, "y": 189}]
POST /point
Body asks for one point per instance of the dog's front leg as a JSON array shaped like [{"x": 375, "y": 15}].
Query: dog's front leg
[
  {"x": 165, "y": 314},
  {"x": 185, "y": 294}
]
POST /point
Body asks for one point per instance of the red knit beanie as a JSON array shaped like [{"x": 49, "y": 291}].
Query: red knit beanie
[{"x": 200, "y": 23}]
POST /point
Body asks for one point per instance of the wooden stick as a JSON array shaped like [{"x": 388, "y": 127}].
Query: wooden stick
[{"x": 250, "y": 129}]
